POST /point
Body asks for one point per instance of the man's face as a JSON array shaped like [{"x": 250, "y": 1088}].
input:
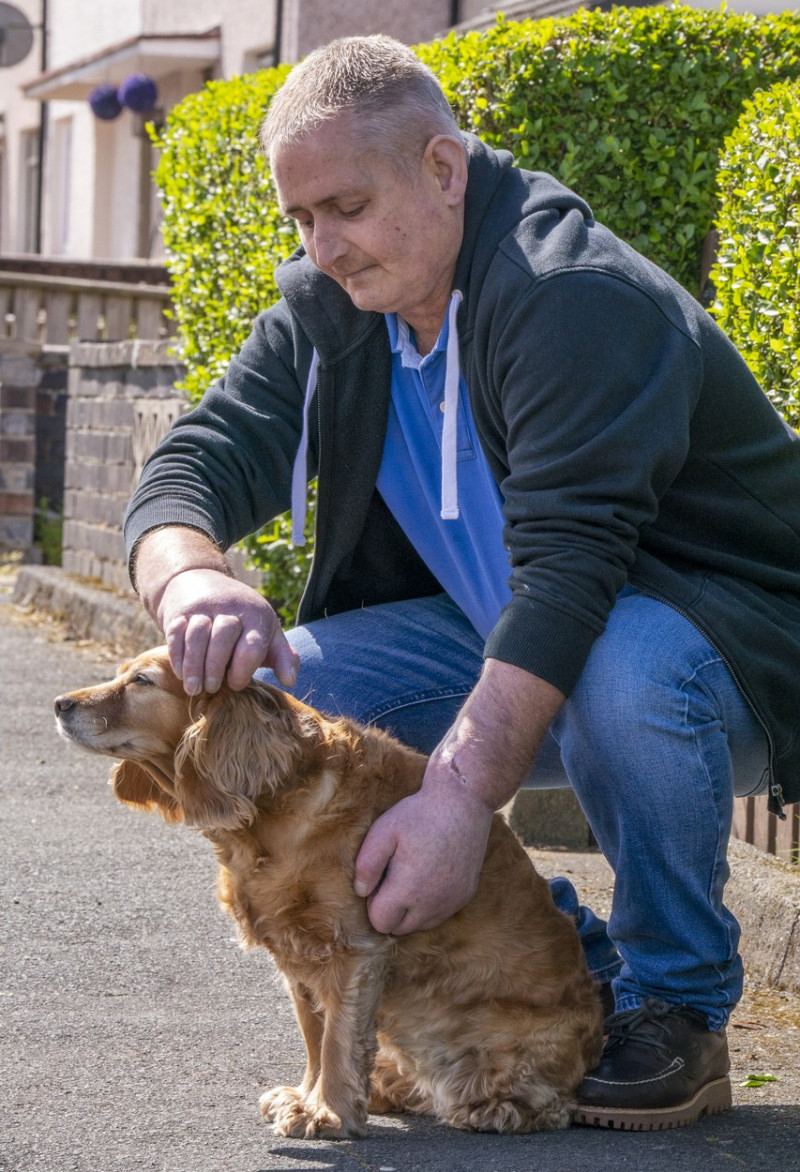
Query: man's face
[{"x": 390, "y": 240}]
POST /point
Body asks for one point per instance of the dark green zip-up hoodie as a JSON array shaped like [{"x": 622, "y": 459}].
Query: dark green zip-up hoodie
[{"x": 629, "y": 440}]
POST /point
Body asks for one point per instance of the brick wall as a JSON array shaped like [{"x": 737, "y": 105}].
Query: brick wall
[
  {"x": 121, "y": 401},
  {"x": 20, "y": 376},
  {"x": 112, "y": 385},
  {"x": 51, "y": 418}
]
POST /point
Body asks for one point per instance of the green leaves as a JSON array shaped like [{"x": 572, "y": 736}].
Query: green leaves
[
  {"x": 757, "y": 274},
  {"x": 630, "y": 107},
  {"x": 759, "y": 1080},
  {"x": 221, "y": 226}
]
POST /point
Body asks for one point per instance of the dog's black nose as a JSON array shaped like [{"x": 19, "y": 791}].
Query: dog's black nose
[{"x": 63, "y": 704}]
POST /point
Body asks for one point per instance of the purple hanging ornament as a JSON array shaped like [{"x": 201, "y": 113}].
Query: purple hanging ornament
[
  {"x": 104, "y": 102},
  {"x": 139, "y": 93}
]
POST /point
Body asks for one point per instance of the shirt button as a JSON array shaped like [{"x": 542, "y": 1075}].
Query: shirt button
[{"x": 441, "y": 406}]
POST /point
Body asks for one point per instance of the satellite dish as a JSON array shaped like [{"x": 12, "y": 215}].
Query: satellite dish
[{"x": 16, "y": 36}]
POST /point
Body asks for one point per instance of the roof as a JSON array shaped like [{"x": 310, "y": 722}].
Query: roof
[{"x": 151, "y": 53}]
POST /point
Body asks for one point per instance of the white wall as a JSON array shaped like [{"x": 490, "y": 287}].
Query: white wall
[
  {"x": 79, "y": 28},
  {"x": 20, "y": 115}
]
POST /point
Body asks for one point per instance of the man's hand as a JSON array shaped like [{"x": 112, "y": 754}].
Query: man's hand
[
  {"x": 215, "y": 626},
  {"x": 421, "y": 860},
  {"x": 218, "y": 628}
]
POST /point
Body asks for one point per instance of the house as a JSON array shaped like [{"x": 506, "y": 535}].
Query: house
[
  {"x": 76, "y": 182},
  {"x": 75, "y": 177}
]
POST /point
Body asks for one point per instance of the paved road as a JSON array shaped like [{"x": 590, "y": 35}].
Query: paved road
[{"x": 136, "y": 1035}]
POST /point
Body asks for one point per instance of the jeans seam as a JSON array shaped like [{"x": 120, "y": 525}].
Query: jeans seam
[
  {"x": 427, "y": 697},
  {"x": 721, "y": 851}
]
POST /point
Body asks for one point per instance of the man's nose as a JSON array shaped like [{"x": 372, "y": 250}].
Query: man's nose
[{"x": 329, "y": 246}]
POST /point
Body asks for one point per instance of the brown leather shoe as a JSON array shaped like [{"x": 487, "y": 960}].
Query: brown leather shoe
[{"x": 661, "y": 1068}]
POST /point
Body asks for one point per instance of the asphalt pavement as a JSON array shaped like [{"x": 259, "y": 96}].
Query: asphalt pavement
[{"x": 135, "y": 1034}]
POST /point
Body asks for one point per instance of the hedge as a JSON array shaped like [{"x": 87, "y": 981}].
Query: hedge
[
  {"x": 629, "y": 107},
  {"x": 757, "y": 274}
]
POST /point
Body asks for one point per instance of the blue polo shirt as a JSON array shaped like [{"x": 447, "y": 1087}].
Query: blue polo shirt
[{"x": 466, "y": 554}]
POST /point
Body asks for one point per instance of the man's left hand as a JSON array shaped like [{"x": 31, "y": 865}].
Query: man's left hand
[{"x": 421, "y": 860}]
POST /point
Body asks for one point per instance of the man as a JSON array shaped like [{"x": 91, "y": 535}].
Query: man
[{"x": 558, "y": 521}]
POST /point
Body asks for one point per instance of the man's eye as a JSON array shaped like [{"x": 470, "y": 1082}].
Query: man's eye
[{"x": 351, "y": 212}]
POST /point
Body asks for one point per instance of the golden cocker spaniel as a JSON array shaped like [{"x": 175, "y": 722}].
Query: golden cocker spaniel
[{"x": 487, "y": 1022}]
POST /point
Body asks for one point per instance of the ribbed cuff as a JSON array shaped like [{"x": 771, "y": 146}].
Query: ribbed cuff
[{"x": 542, "y": 640}]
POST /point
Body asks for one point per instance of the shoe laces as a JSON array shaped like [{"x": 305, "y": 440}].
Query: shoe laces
[{"x": 652, "y": 1013}]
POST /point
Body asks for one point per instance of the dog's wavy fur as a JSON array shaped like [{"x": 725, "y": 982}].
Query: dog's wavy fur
[{"x": 487, "y": 1022}]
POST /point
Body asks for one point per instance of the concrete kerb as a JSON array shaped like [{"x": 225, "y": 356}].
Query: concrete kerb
[
  {"x": 763, "y": 892},
  {"x": 86, "y": 611}
]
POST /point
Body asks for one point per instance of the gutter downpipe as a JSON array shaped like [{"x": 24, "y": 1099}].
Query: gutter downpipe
[
  {"x": 37, "y": 242},
  {"x": 278, "y": 32}
]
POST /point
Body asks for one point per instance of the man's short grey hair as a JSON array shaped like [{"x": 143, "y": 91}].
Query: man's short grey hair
[{"x": 396, "y": 103}]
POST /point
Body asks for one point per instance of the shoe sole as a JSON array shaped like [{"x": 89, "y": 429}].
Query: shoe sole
[{"x": 712, "y": 1099}]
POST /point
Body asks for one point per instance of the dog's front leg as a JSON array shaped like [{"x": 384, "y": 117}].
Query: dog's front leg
[
  {"x": 282, "y": 1102},
  {"x": 336, "y": 1106}
]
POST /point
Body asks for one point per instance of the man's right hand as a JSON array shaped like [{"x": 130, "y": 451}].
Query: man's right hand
[
  {"x": 220, "y": 629},
  {"x": 216, "y": 627}
]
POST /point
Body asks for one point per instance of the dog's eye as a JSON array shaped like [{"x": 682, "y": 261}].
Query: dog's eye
[{"x": 140, "y": 679}]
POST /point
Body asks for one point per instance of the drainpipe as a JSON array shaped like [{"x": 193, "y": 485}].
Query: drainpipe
[
  {"x": 37, "y": 244},
  {"x": 278, "y": 31},
  {"x": 455, "y": 12}
]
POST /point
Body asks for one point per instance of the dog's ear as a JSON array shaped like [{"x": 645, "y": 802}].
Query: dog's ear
[
  {"x": 244, "y": 744},
  {"x": 136, "y": 785}
]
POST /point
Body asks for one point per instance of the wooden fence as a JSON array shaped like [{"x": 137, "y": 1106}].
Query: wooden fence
[
  {"x": 753, "y": 823},
  {"x": 62, "y": 303}
]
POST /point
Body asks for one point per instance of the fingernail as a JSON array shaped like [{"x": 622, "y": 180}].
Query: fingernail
[
  {"x": 212, "y": 685},
  {"x": 361, "y": 888},
  {"x": 191, "y": 685}
]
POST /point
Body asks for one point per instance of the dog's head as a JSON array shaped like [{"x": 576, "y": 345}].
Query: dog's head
[{"x": 204, "y": 760}]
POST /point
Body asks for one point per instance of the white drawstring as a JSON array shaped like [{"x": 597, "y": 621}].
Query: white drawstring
[
  {"x": 450, "y": 426},
  {"x": 300, "y": 468},
  {"x": 449, "y": 510}
]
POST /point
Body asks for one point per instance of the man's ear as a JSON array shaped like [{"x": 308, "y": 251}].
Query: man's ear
[{"x": 447, "y": 160}]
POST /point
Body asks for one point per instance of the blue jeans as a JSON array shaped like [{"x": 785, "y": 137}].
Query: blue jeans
[{"x": 655, "y": 740}]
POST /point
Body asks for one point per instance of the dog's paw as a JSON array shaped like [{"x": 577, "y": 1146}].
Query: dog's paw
[
  {"x": 294, "y": 1117},
  {"x": 508, "y": 1116},
  {"x": 278, "y": 1099}
]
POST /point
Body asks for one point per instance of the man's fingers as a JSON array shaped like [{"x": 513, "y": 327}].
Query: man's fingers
[
  {"x": 286, "y": 664},
  {"x": 175, "y": 635},
  {"x": 195, "y": 646},
  {"x": 373, "y": 859},
  {"x": 255, "y": 649},
  {"x": 226, "y": 631},
  {"x": 387, "y": 916},
  {"x": 219, "y": 630}
]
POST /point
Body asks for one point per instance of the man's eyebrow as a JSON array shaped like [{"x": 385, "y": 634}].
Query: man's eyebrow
[{"x": 321, "y": 203}]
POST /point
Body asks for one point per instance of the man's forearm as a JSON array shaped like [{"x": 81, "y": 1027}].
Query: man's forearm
[
  {"x": 163, "y": 553},
  {"x": 498, "y": 731}
]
